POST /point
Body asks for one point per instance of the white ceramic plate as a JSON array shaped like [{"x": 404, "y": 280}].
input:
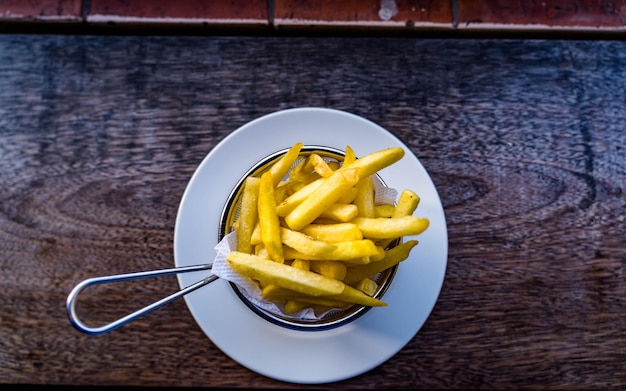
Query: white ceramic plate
[{"x": 307, "y": 357}]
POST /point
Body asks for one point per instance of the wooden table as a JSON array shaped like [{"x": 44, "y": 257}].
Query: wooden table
[{"x": 524, "y": 141}]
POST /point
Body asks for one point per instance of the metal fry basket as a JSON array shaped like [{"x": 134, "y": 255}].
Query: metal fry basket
[{"x": 330, "y": 318}]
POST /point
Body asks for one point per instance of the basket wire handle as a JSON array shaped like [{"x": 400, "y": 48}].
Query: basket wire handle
[{"x": 72, "y": 297}]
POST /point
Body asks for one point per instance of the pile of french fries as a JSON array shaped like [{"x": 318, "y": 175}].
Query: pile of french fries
[{"x": 313, "y": 236}]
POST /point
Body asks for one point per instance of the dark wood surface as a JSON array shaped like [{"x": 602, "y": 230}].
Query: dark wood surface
[{"x": 523, "y": 139}]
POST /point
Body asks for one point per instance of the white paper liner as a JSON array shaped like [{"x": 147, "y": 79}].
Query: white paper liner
[
  {"x": 384, "y": 195},
  {"x": 252, "y": 291}
]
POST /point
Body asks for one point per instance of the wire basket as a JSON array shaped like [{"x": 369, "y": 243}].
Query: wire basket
[{"x": 331, "y": 318}]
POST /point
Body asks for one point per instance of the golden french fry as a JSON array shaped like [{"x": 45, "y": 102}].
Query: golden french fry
[
  {"x": 340, "y": 212},
  {"x": 353, "y": 251},
  {"x": 303, "y": 264},
  {"x": 375, "y": 161},
  {"x": 383, "y": 228},
  {"x": 290, "y": 188},
  {"x": 364, "y": 199},
  {"x": 332, "y": 233},
  {"x": 298, "y": 171},
  {"x": 304, "y": 243},
  {"x": 352, "y": 295},
  {"x": 332, "y": 269},
  {"x": 319, "y": 301},
  {"x": 334, "y": 165},
  {"x": 321, "y": 198},
  {"x": 319, "y": 165},
  {"x": 280, "y": 193},
  {"x": 273, "y": 291},
  {"x": 367, "y": 286},
  {"x": 303, "y": 281},
  {"x": 296, "y": 198},
  {"x": 357, "y": 261},
  {"x": 261, "y": 251},
  {"x": 407, "y": 203},
  {"x": 349, "y": 196},
  {"x": 350, "y": 156},
  {"x": 384, "y": 210},
  {"x": 292, "y": 306},
  {"x": 348, "y": 295},
  {"x": 303, "y": 173},
  {"x": 268, "y": 219},
  {"x": 310, "y": 168},
  {"x": 281, "y": 167},
  {"x": 276, "y": 293},
  {"x": 248, "y": 215},
  {"x": 256, "y": 234},
  {"x": 309, "y": 178},
  {"x": 392, "y": 257}
]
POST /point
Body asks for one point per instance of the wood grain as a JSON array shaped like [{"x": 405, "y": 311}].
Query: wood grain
[{"x": 523, "y": 139}]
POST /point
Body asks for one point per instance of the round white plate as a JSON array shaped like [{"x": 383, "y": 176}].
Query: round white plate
[{"x": 307, "y": 357}]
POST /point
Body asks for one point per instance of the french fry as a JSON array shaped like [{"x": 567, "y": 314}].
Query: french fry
[
  {"x": 334, "y": 165},
  {"x": 349, "y": 295},
  {"x": 352, "y": 295},
  {"x": 319, "y": 165},
  {"x": 304, "y": 243},
  {"x": 303, "y": 173},
  {"x": 270, "y": 272},
  {"x": 321, "y": 198},
  {"x": 276, "y": 292},
  {"x": 375, "y": 161},
  {"x": 261, "y": 251},
  {"x": 357, "y": 261},
  {"x": 350, "y": 156},
  {"x": 312, "y": 168},
  {"x": 392, "y": 257},
  {"x": 349, "y": 196},
  {"x": 384, "y": 210},
  {"x": 383, "y": 228},
  {"x": 381, "y": 253},
  {"x": 340, "y": 212},
  {"x": 296, "y": 198},
  {"x": 367, "y": 286},
  {"x": 255, "y": 238},
  {"x": 248, "y": 215},
  {"x": 332, "y": 269},
  {"x": 303, "y": 264},
  {"x": 281, "y": 167},
  {"x": 268, "y": 219},
  {"x": 291, "y": 186},
  {"x": 296, "y": 299},
  {"x": 349, "y": 250},
  {"x": 292, "y": 306},
  {"x": 364, "y": 199},
  {"x": 279, "y": 193},
  {"x": 407, "y": 203},
  {"x": 320, "y": 301},
  {"x": 332, "y": 233}
]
